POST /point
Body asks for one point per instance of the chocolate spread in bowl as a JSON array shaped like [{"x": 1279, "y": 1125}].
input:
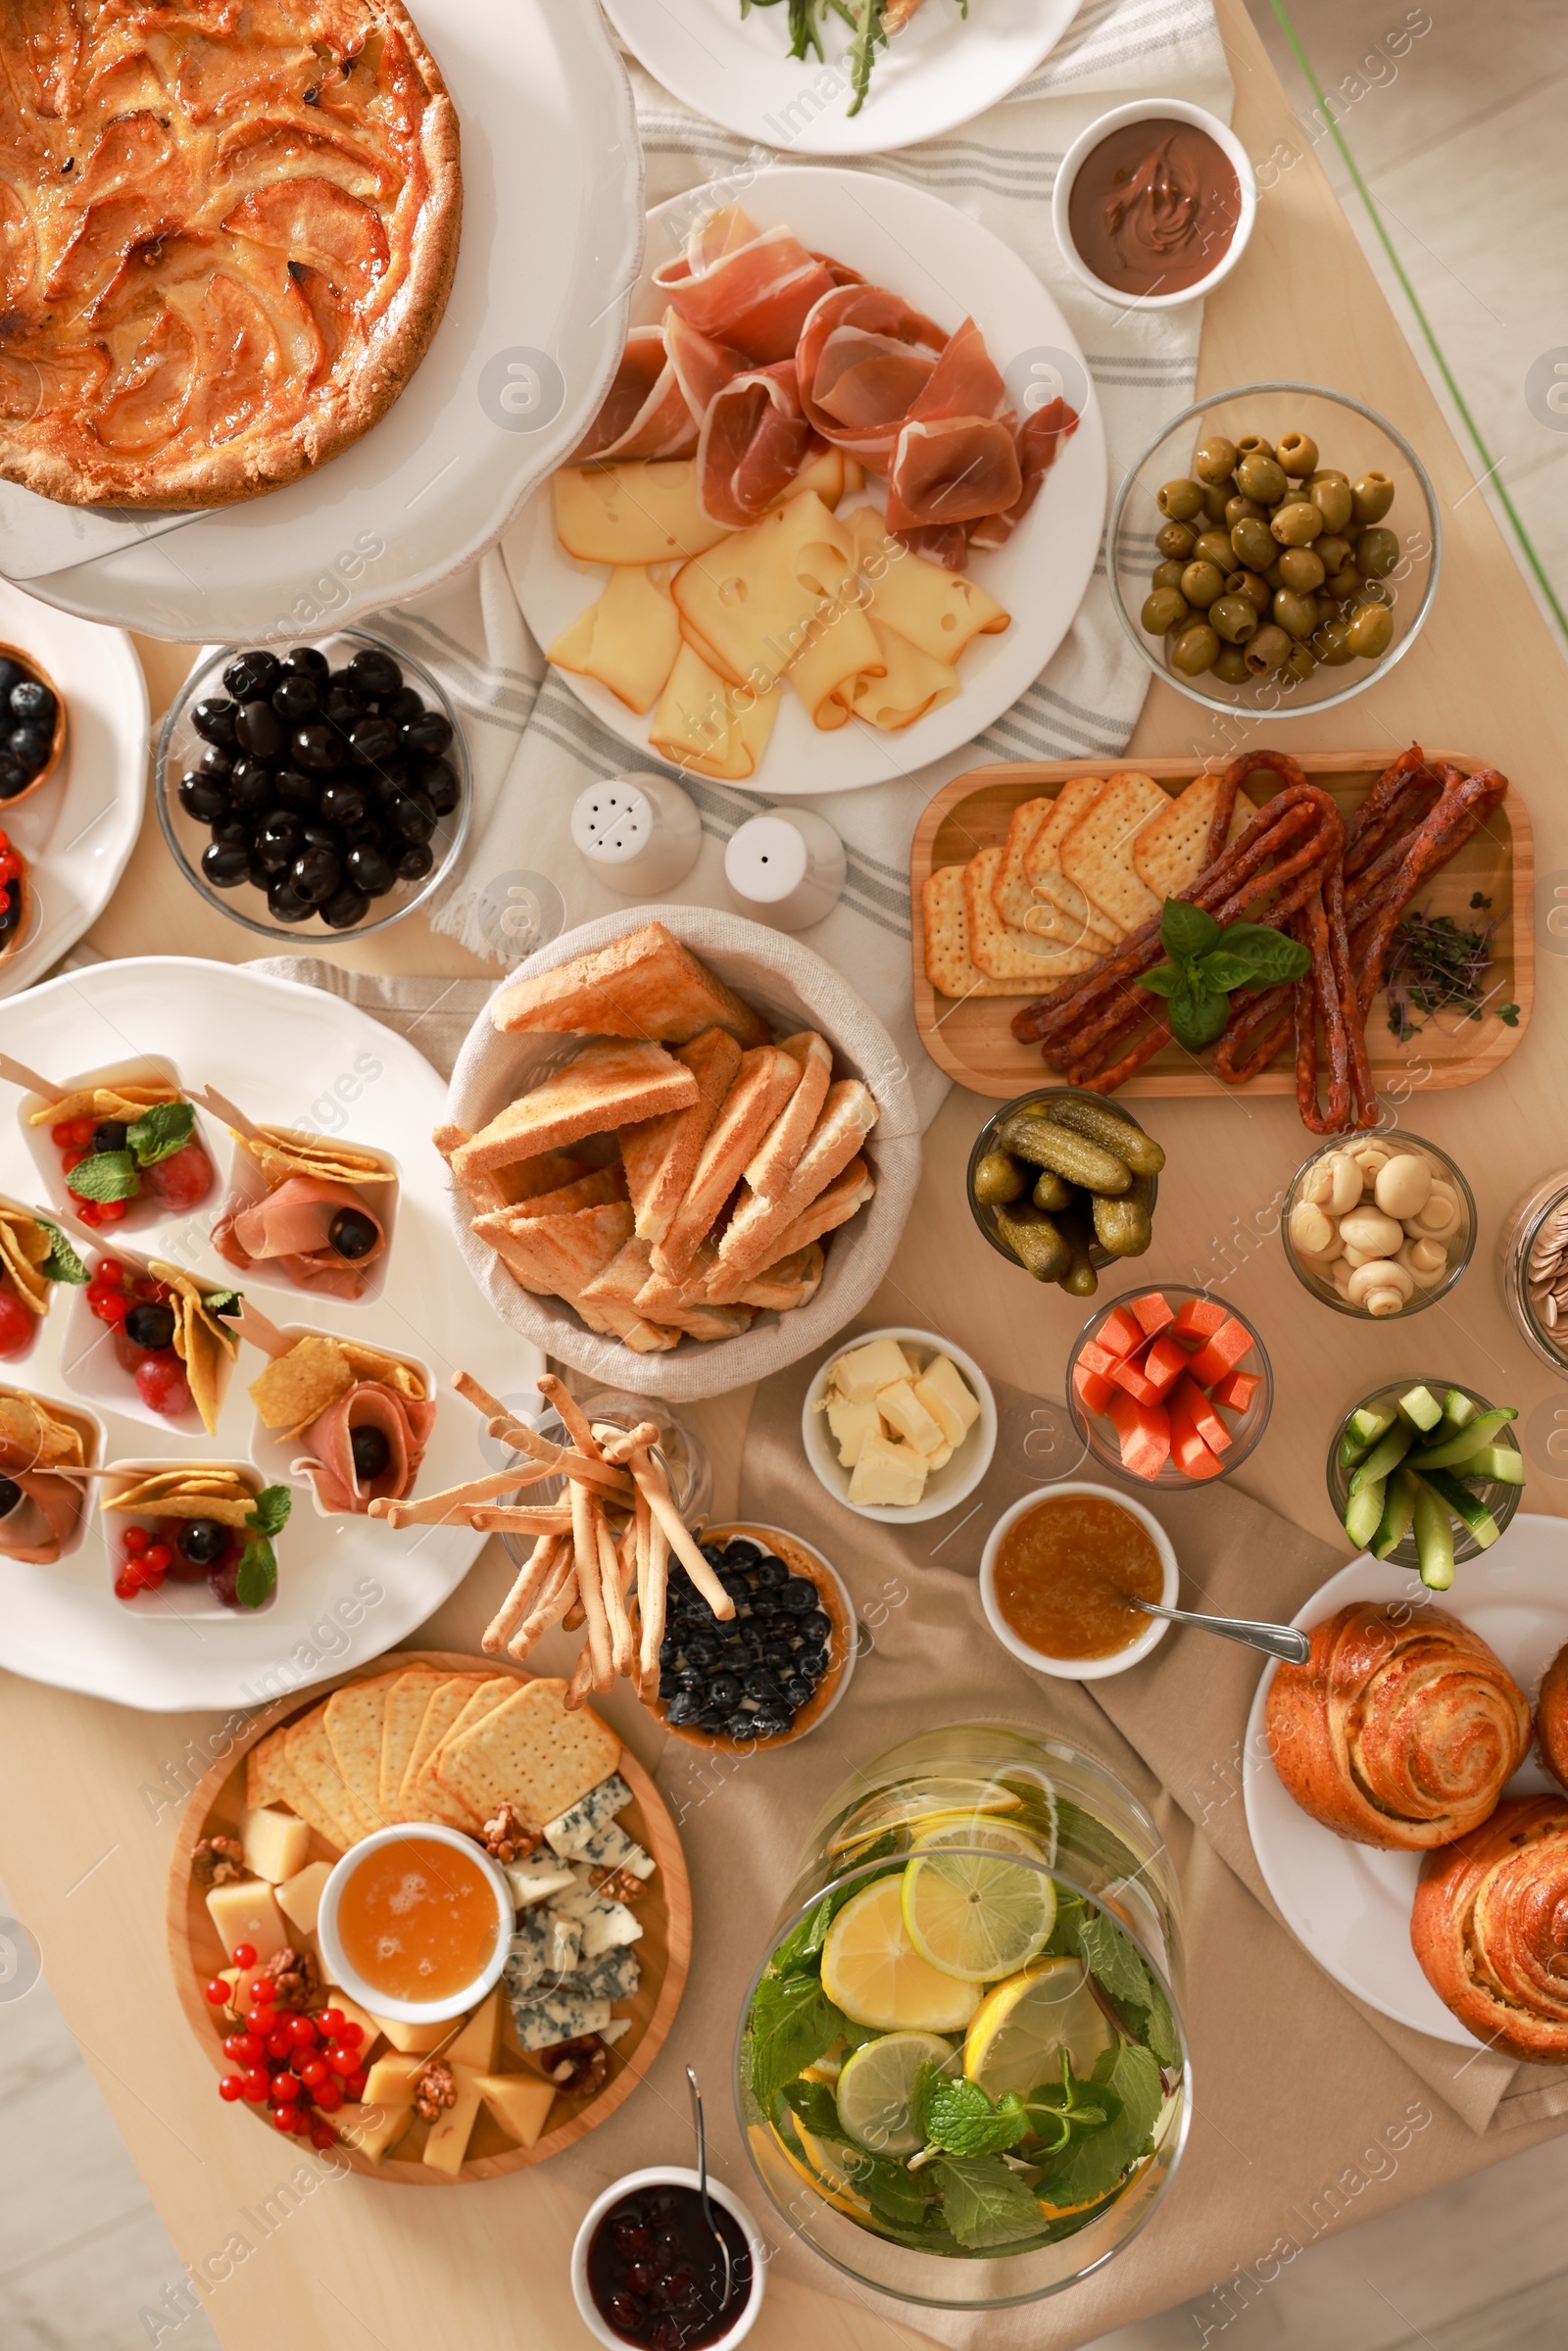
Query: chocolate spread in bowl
[{"x": 1154, "y": 207}]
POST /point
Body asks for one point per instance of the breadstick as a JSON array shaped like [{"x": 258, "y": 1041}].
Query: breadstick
[
  {"x": 585, "y": 1544},
  {"x": 555, "y": 1602},
  {"x": 469, "y": 1388},
  {"x": 515, "y": 1607},
  {"x": 573, "y": 1419},
  {"x": 492, "y": 1518},
  {"x": 652, "y": 1607},
  {"x": 582, "y": 1681},
  {"x": 560, "y": 1460},
  {"x": 609, "y": 1579},
  {"x": 430, "y": 1506},
  {"x": 438, "y": 1510},
  {"x": 650, "y": 1481}
]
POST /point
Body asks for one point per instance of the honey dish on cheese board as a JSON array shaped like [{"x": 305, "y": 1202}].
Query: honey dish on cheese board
[
  {"x": 766, "y": 619},
  {"x": 364, "y": 1836}
]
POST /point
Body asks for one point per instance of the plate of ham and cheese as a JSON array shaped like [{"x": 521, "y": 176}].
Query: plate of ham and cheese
[{"x": 826, "y": 527}]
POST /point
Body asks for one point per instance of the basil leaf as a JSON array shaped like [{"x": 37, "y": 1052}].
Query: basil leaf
[
  {"x": 1198, "y": 1015},
  {"x": 1270, "y": 955},
  {"x": 960, "y": 2118},
  {"x": 61, "y": 1263},
  {"x": 793, "y": 2023},
  {"x": 983, "y": 2202},
  {"x": 1186, "y": 930},
  {"x": 1223, "y": 970},
  {"x": 161, "y": 1131},
  {"x": 1164, "y": 980},
  {"x": 257, "y": 1578},
  {"x": 106, "y": 1175},
  {"x": 269, "y": 1514}
]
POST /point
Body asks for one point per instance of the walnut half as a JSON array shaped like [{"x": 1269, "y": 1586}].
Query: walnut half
[
  {"x": 434, "y": 2091},
  {"x": 508, "y": 1837},
  {"x": 218, "y": 1861},
  {"x": 579, "y": 2067},
  {"x": 295, "y": 1978}
]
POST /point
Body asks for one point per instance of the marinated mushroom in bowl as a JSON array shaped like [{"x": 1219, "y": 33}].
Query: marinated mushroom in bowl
[{"x": 1380, "y": 1225}]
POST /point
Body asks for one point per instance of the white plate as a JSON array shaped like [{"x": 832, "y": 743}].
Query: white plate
[
  {"x": 304, "y": 1059},
  {"x": 940, "y": 71},
  {"x": 1349, "y": 1904},
  {"x": 950, "y": 267},
  {"x": 80, "y": 827},
  {"x": 552, "y": 232}
]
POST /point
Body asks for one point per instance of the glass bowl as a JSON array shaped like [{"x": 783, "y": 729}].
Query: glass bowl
[
  {"x": 1350, "y": 438},
  {"x": 971, "y": 1793},
  {"x": 247, "y": 904},
  {"x": 1099, "y": 1434},
  {"x": 1042, "y": 1096},
  {"x": 1502, "y": 1500},
  {"x": 1460, "y": 1244},
  {"x": 1528, "y": 1294}
]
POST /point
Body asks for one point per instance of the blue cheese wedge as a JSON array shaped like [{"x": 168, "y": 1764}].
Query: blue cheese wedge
[
  {"x": 605, "y": 1924},
  {"x": 613, "y": 1976},
  {"x": 558, "y": 2016},
  {"x": 563, "y": 1942},
  {"x": 612, "y": 1850},
  {"x": 571, "y": 1832},
  {"x": 537, "y": 1878},
  {"x": 525, "y": 1955}
]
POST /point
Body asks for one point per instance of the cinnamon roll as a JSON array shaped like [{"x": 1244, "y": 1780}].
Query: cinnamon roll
[
  {"x": 1551, "y": 1716},
  {"x": 1399, "y": 1730},
  {"x": 1490, "y": 1927}
]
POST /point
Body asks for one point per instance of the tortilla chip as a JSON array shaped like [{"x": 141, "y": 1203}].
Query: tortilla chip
[
  {"x": 25, "y": 1243},
  {"x": 373, "y": 1363},
  {"x": 47, "y": 1443},
  {"x": 196, "y": 1490},
  {"x": 127, "y": 1101},
  {"x": 297, "y": 1386},
  {"x": 202, "y": 1340},
  {"x": 280, "y": 1152}
]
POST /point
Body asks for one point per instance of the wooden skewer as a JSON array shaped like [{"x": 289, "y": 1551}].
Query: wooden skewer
[
  {"x": 221, "y": 1107},
  {"x": 573, "y": 1419},
  {"x": 515, "y": 1607},
  {"x": 609, "y": 1577},
  {"x": 555, "y": 1600},
  {"x": 262, "y": 1331},
  {"x": 585, "y": 1542},
  {"x": 17, "y": 1074}
]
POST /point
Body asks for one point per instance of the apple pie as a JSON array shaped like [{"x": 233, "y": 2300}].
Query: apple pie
[{"x": 228, "y": 232}]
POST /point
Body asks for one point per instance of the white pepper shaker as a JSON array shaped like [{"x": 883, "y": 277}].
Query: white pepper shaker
[
  {"x": 787, "y": 867},
  {"x": 640, "y": 833}
]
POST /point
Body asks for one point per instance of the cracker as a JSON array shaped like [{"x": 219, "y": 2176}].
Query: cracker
[
  {"x": 1001, "y": 953},
  {"x": 1097, "y": 852},
  {"x": 1168, "y": 851},
  {"x": 314, "y": 1766},
  {"x": 353, "y": 1725},
  {"x": 407, "y": 1695},
  {"x": 267, "y": 1778},
  {"x": 532, "y": 1753},
  {"x": 428, "y": 1799},
  {"x": 445, "y": 1703},
  {"x": 1048, "y": 885},
  {"x": 946, "y": 930}
]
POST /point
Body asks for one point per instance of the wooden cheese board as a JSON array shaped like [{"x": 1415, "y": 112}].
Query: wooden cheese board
[
  {"x": 973, "y": 1037},
  {"x": 664, "y": 1950}
]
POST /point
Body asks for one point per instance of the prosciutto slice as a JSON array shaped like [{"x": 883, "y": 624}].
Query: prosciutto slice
[
  {"x": 865, "y": 360},
  {"x": 1041, "y": 441},
  {"x": 288, "y": 1229},
  {"x": 749, "y": 289},
  {"x": 754, "y": 441},
  {"x": 644, "y": 413},
  {"x": 45, "y": 1518},
  {"x": 329, "y": 1462},
  {"x": 956, "y": 456}
]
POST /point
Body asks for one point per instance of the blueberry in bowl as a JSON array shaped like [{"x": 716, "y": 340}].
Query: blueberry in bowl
[
  {"x": 770, "y": 1672},
  {"x": 32, "y": 727},
  {"x": 312, "y": 789}
]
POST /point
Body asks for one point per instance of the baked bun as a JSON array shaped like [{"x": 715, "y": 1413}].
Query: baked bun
[
  {"x": 1551, "y": 1717},
  {"x": 1490, "y": 1927},
  {"x": 1399, "y": 1730}
]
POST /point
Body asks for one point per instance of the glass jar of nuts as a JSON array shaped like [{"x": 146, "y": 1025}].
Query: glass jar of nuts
[
  {"x": 1379, "y": 1224},
  {"x": 1533, "y": 1268}
]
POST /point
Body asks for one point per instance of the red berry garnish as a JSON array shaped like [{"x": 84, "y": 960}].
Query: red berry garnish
[
  {"x": 302, "y": 2030},
  {"x": 313, "y": 2072},
  {"x": 81, "y": 1131},
  {"x": 243, "y": 1955},
  {"x": 232, "y": 2087},
  {"x": 260, "y": 2021},
  {"x": 16, "y": 1325},
  {"x": 136, "y": 1540},
  {"x": 244, "y": 2048},
  {"x": 286, "y": 2087},
  {"x": 283, "y": 2118},
  {"x": 160, "y": 1557},
  {"x": 256, "y": 2083},
  {"x": 350, "y": 2034},
  {"x": 109, "y": 1211},
  {"x": 73, "y": 1158},
  {"x": 353, "y": 2084},
  {"x": 330, "y": 2022},
  {"x": 341, "y": 2060},
  {"x": 329, "y": 2097},
  {"x": 217, "y": 1992},
  {"x": 90, "y": 1211},
  {"x": 125, "y": 1589},
  {"x": 280, "y": 2042},
  {"x": 323, "y": 2135},
  {"x": 109, "y": 1269}
]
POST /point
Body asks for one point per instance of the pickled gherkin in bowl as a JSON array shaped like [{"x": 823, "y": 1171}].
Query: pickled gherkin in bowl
[{"x": 1063, "y": 1184}]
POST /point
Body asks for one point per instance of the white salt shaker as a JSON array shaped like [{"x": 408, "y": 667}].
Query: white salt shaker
[
  {"x": 787, "y": 866},
  {"x": 640, "y": 833}
]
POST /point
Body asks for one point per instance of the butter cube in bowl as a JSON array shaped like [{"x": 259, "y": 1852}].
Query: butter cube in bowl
[{"x": 899, "y": 1425}]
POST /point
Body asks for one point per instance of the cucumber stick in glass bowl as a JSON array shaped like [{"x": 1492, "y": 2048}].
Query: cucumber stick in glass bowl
[{"x": 1426, "y": 1475}]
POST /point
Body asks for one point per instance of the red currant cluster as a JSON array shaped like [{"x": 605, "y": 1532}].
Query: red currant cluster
[
  {"x": 18, "y": 1328},
  {"x": 136, "y": 1309},
  {"x": 146, "y": 1564},
  {"x": 74, "y": 1136},
  {"x": 302, "y": 2067}
]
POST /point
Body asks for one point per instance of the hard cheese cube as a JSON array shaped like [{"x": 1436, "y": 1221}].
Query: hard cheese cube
[
  {"x": 415, "y": 2040},
  {"x": 519, "y": 2103},
  {"x": 247, "y": 1913},
  {"x": 447, "y": 2142},
  {"x": 371, "y": 2128},
  {"x": 865, "y": 1369},
  {"x": 887, "y": 1475},
  {"x": 391, "y": 2079},
  {"x": 478, "y": 2044},
  {"x": 851, "y": 1425},
  {"x": 908, "y": 1418},
  {"x": 300, "y": 1897},
  {"x": 275, "y": 1844},
  {"x": 944, "y": 1384}
]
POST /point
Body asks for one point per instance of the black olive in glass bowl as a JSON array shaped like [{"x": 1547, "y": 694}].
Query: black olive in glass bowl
[
  {"x": 201, "y": 798},
  {"x": 231, "y": 831},
  {"x": 428, "y": 734},
  {"x": 213, "y": 717},
  {"x": 437, "y": 780},
  {"x": 251, "y": 675},
  {"x": 317, "y": 746},
  {"x": 225, "y": 865},
  {"x": 217, "y": 761},
  {"x": 315, "y": 875},
  {"x": 344, "y": 801},
  {"x": 284, "y": 903},
  {"x": 280, "y": 842},
  {"x": 296, "y": 698},
  {"x": 258, "y": 730},
  {"x": 375, "y": 740},
  {"x": 374, "y": 674},
  {"x": 250, "y": 787},
  {"x": 413, "y": 861},
  {"x": 296, "y": 790},
  {"x": 306, "y": 660},
  {"x": 346, "y": 908},
  {"x": 342, "y": 707},
  {"x": 411, "y": 816},
  {"x": 369, "y": 868},
  {"x": 405, "y": 708}
]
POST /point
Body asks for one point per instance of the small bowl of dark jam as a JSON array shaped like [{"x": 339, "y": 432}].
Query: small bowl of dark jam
[{"x": 646, "y": 2270}]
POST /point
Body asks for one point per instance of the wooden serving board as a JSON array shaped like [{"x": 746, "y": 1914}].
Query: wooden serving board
[
  {"x": 664, "y": 1949},
  {"x": 972, "y": 1039}
]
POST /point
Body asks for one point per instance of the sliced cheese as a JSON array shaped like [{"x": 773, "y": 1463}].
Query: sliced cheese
[
  {"x": 447, "y": 2141},
  {"x": 827, "y": 472},
  {"x": 519, "y": 2103},
  {"x": 628, "y": 639},
  {"x": 887, "y": 1476},
  {"x": 908, "y": 1418},
  {"x": 839, "y": 650},
  {"x": 632, "y": 513},
  {"x": 300, "y": 1897},
  {"x": 275, "y": 1844},
  {"x": 478, "y": 2044},
  {"x": 752, "y": 600},
  {"x": 865, "y": 1369},
  {"x": 907, "y": 683},
  {"x": 246, "y": 1912},
  {"x": 703, "y": 724},
  {"x": 851, "y": 1425},
  {"x": 939, "y": 611}
]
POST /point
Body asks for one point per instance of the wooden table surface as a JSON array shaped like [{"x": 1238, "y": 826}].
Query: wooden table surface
[{"x": 87, "y": 1835}]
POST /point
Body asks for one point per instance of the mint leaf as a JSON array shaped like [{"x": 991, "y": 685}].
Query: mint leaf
[
  {"x": 61, "y": 1263},
  {"x": 1158, "y": 2029},
  {"x": 896, "y": 2196},
  {"x": 1164, "y": 980},
  {"x": 1198, "y": 1015},
  {"x": 1094, "y": 2163},
  {"x": 161, "y": 1131},
  {"x": 1271, "y": 954},
  {"x": 802, "y": 1947},
  {"x": 793, "y": 2023},
  {"x": 257, "y": 1578},
  {"x": 270, "y": 1515},
  {"x": 983, "y": 2202},
  {"x": 815, "y": 2104},
  {"x": 1186, "y": 930},
  {"x": 222, "y": 1301},
  {"x": 957, "y": 2117},
  {"x": 106, "y": 1175},
  {"x": 1112, "y": 1960}
]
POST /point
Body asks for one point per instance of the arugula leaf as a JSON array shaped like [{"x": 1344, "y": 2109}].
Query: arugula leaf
[
  {"x": 1186, "y": 930},
  {"x": 793, "y": 2023},
  {"x": 269, "y": 1514},
  {"x": 1113, "y": 1959},
  {"x": 983, "y": 2202},
  {"x": 159, "y": 1132},
  {"x": 1198, "y": 1014},
  {"x": 61, "y": 1263},
  {"x": 957, "y": 2117},
  {"x": 257, "y": 1576},
  {"x": 1092, "y": 2164},
  {"x": 106, "y": 1175}
]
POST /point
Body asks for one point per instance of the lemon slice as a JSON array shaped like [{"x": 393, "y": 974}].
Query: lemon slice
[
  {"x": 921, "y": 1801},
  {"x": 1022, "y": 2027},
  {"x": 872, "y": 1971},
  {"x": 875, "y": 2085},
  {"x": 977, "y": 1916},
  {"x": 982, "y": 1836},
  {"x": 821, "y": 2169}
]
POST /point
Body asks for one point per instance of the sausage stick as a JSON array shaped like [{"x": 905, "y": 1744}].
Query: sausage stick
[
  {"x": 515, "y": 1607},
  {"x": 585, "y": 1544}
]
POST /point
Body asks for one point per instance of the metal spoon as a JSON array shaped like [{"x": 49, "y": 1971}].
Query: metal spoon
[
  {"x": 1275, "y": 1640},
  {"x": 717, "y": 2233}
]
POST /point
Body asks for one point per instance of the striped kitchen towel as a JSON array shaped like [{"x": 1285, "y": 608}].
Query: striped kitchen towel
[{"x": 535, "y": 746}]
